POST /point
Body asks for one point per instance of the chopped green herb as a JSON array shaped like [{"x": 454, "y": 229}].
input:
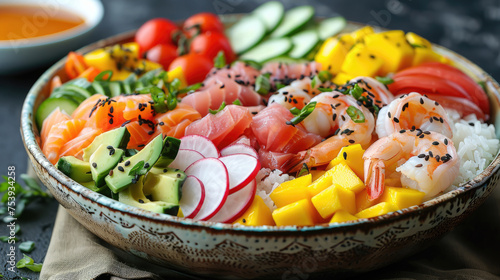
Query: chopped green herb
[
  {"x": 356, "y": 91},
  {"x": 191, "y": 88},
  {"x": 158, "y": 97},
  {"x": 137, "y": 169},
  {"x": 355, "y": 114},
  {"x": 303, "y": 171},
  {"x": 220, "y": 60},
  {"x": 104, "y": 76},
  {"x": 279, "y": 86},
  {"x": 27, "y": 246},
  {"x": 313, "y": 82},
  {"x": 295, "y": 111},
  {"x": 483, "y": 85},
  {"x": 322, "y": 89},
  {"x": 237, "y": 102},
  {"x": 221, "y": 107},
  {"x": 262, "y": 84},
  {"x": 324, "y": 76},
  {"x": 385, "y": 80},
  {"x": 418, "y": 46},
  {"x": 253, "y": 64},
  {"x": 306, "y": 111},
  {"x": 29, "y": 263}
]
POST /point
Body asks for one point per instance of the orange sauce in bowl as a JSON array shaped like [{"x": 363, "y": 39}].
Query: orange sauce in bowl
[{"x": 23, "y": 22}]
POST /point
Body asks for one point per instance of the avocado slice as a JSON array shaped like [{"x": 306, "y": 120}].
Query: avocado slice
[
  {"x": 105, "y": 158},
  {"x": 134, "y": 196},
  {"x": 170, "y": 148},
  {"x": 91, "y": 185},
  {"x": 74, "y": 168},
  {"x": 120, "y": 177},
  {"x": 164, "y": 184},
  {"x": 118, "y": 138}
]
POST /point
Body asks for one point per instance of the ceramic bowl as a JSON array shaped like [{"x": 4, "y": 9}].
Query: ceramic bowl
[
  {"x": 25, "y": 54},
  {"x": 222, "y": 250}
]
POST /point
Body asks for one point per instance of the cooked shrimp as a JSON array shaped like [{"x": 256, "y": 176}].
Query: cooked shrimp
[
  {"x": 413, "y": 110},
  {"x": 330, "y": 118},
  {"x": 374, "y": 89},
  {"x": 422, "y": 160},
  {"x": 298, "y": 93}
]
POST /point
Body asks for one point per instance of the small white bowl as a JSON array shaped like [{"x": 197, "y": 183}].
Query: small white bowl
[{"x": 21, "y": 55}]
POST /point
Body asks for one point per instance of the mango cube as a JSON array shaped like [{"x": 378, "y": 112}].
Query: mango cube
[
  {"x": 352, "y": 155},
  {"x": 316, "y": 174},
  {"x": 362, "y": 61},
  {"x": 343, "y": 176},
  {"x": 402, "y": 197},
  {"x": 376, "y": 210},
  {"x": 360, "y": 34},
  {"x": 177, "y": 73},
  {"x": 342, "y": 216},
  {"x": 333, "y": 51},
  {"x": 258, "y": 214},
  {"x": 333, "y": 199},
  {"x": 417, "y": 41},
  {"x": 300, "y": 213},
  {"x": 392, "y": 48},
  {"x": 291, "y": 191},
  {"x": 343, "y": 78},
  {"x": 320, "y": 184},
  {"x": 363, "y": 201}
]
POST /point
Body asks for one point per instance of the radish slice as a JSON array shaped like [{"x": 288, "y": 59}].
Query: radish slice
[
  {"x": 193, "y": 195},
  {"x": 185, "y": 158},
  {"x": 199, "y": 143},
  {"x": 213, "y": 174},
  {"x": 238, "y": 149},
  {"x": 242, "y": 169},
  {"x": 236, "y": 204}
]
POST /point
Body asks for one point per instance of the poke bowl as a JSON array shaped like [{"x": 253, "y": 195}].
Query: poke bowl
[{"x": 214, "y": 249}]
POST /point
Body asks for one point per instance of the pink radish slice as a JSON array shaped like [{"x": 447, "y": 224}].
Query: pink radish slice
[
  {"x": 201, "y": 144},
  {"x": 239, "y": 148},
  {"x": 213, "y": 174},
  {"x": 242, "y": 169},
  {"x": 193, "y": 195},
  {"x": 185, "y": 158},
  {"x": 236, "y": 204}
]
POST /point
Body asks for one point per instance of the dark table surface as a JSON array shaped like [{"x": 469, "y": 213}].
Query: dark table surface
[{"x": 471, "y": 28}]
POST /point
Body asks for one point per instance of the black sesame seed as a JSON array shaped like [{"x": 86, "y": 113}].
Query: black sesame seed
[
  {"x": 165, "y": 170},
  {"x": 445, "y": 141},
  {"x": 141, "y": 201},
  {"x": 435, "y": 143},
  {"x": 421, "y": 156},
  {"x": 351, "y": 141},
  {"x": 109, "y": 147},
  {"x": 345, "y": 155},
  {"x": 431, "y": 154},
  {"x": 334, "y": 117},
  {"x": 151, "y": 132},
  {"x": 419, "y": 165},
  {"x": 421, "y": 101},
  {"x": 402, "y": 131},
  {"x": 178, "y": 175},
  {"x": 146, "y": 165},
  {"x": 389, "y": 114},
  {"x": 120, "y": 168},
  {"x": 396, "y": 120},
  {"x": 426, "y": 157},
  {"x": 110, "y": 121},
  {"x": 111, "y": 172},
  {"x": 343, "y": 118},
  {"x": 127, "y": 163},
  {"x": 94, "y": 164}
]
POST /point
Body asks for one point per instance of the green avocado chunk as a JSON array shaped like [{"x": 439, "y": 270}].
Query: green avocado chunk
[
  {"x": 74, "y": 168},
  {"x": 134, "y": 196},
  {"x": 105, "y": 158},
  {"x": 164, "y": 184},
  {"x": 170, "y": 148},
  {"x": 121, "y": 176},
  {"x": 118, "y": 138}
]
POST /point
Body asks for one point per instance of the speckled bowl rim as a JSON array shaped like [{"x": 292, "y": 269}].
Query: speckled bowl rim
[{"x": 27, "y": 133}]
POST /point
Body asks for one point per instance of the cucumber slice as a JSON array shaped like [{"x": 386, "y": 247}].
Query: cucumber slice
[
  {"x": 129, "y": 83},
  {"x": 246, "y": 33},
  {"x": 303, "y": 43},
  {"x": 294, "y": 19},
  {"x": 287, "y": 60},
  {"x": 115, "y": 88},
  {"x": 268, "y": 50},
  {"x": 331, "y": 27},
  {"x": 79, "y": 90},
  {"x": 270, "y": 13},
  {"x": 75, "y": 96},
  {"x": 50, "y": 104}
]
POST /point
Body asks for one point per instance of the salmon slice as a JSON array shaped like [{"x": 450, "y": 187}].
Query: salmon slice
[
  {"x": 140, "y": 134},
  {"x": 173, "y": 123},
  {"x": 59, "y": 135},
  {"x": 136, "y": 105},
  {"x": 75, "y": 146},
  {"x": 57, "y": 116},
  {"x": 84, "y": 109}
]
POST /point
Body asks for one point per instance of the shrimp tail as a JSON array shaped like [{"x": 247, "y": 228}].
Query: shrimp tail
[
  {"x": 375, "y": 179},
  {"x": 298, "y": 161}
]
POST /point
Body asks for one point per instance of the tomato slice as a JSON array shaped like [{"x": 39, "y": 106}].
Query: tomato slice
[
  {"x": 75, "y": 65},
  {"x": 444, "y": 71}
]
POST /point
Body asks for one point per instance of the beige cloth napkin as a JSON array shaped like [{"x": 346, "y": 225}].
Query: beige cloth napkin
[{"x": 76, "y": 254}]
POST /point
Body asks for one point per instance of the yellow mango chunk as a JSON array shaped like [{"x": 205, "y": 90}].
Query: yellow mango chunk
[
  {"x": 333, "y": 199},
  {"x": 360, "y": 34},
  {"x": 291, "y": 191},
  {"x": 177, "y": 73},
  {"x": 343, "y": 78},
  {"x": 121, "y": 59},
  {"x": 363, "y": 201},
  {"x": 352, "y": 155},
  {"x": 342, "y": 216},
  {"x": 392, "y": 48},
  {"x": 343, "y": 176},
  {"x": 300, "y": 213},
  {"x": 333, "y": 51},
  {"x": 316, "y": 174},
  {"x": 258, "y": 214},
  {"x": 376, "y": 210},
  {"x": 402, "y": 197},
  {"x": 414, "y": 39},
  {"x": 320, "y": 184},
  {"x": 362, "y": 61},
  {"x": 423, "y": 55}
]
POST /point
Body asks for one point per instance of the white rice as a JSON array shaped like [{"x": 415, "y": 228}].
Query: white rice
[{"x": 268, "y": 181}]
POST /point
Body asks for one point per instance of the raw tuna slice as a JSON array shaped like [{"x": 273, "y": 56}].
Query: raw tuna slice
[
  {"x": 239, "y": 71},
  {"x": 274, "y": 160}
]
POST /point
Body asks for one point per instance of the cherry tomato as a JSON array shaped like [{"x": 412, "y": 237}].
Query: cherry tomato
[
  {"x": 194, "y": 66},
  {"x": 153, "y": 32},
  {"x": 75, "y": 65},
  {"x": 210, "y": 43},
  {"x": 453, "y": 74},
  {"x": 163, "y": 54},
  {"x": 205, "y": 22}
]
